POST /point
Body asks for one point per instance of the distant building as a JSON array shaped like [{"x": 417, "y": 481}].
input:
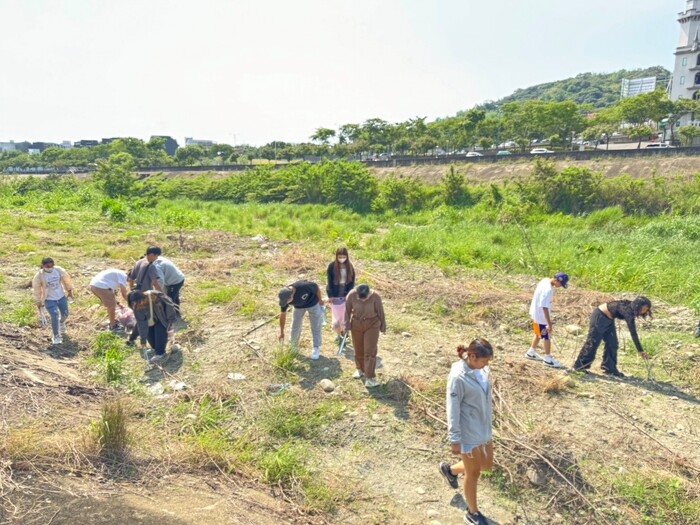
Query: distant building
[
  {"x": 86, "y": 144},
  {"x": 41, "y": 146},
  {"x": 171, "y": 144},
  {"x": 109, "y": 140},
  {"x": 66, "y": 144},
  {"x": 7, "y": 146},
  {"x": 686, "y": 72},
  {"x": 189, "y": 141},
  {"x": 638, "y": 86}
]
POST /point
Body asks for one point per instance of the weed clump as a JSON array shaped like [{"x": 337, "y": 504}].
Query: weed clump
[{"x": 110, "y": 433}]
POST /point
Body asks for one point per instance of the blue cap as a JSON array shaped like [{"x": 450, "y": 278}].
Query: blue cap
[{"x": 562, "y": 278}]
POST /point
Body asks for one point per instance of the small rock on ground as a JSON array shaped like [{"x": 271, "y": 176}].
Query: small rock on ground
[{"x": 327, "y": 385}]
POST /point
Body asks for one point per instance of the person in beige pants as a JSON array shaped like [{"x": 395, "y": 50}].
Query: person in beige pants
[{"x": 364, "y": 316}]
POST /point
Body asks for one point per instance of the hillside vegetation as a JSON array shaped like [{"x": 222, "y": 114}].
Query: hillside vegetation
[{"x": 600, "y": 90}]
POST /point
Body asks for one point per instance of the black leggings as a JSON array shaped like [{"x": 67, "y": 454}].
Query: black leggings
[
  {"x": 602, "y": 329},
  {"x": 157, "y": 337}
]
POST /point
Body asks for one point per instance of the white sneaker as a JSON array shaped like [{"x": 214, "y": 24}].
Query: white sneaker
[
  {"x": 64, "y": 328},
  {"x": 371, "y": 383},
  {"x": 531, "y": 354},
  {"x": 316, "y": 353},
  {"x": 57, "y": 340},
  {"x": 358, "y": 374},
  {"x": 551, "y": 362}
]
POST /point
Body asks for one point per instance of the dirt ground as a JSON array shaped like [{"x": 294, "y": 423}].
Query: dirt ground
[
  {"x": 387, "y": 446},
  {"x": 495, "y": 172}
]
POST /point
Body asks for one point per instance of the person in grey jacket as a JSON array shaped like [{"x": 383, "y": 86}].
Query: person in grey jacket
[
  {"x": 155, "y": 313},
  {"x": 470, "y": 422}
]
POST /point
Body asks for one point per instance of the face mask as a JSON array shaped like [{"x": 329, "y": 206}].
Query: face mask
[
  {"x": 48, "y": 270},
  {"x": 341, "y": 260}
]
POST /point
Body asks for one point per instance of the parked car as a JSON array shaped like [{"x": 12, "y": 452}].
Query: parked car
[
  {"x": 503, "y": 153},
  {"x": 474, "y": 154},
  {"x": 540, "y": 151},
  {"x": 659, "y": 145}
]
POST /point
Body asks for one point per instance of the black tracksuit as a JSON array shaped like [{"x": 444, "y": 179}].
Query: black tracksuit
[{"x": 602, "y": 328}]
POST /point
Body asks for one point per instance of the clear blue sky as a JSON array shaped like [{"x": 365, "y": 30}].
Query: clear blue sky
[{"x": 257, "y": 70}]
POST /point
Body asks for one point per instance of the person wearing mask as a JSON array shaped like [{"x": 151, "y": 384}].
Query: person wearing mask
[
  {"x": 304, "y": 296},
  {"x": 470, "y": 422},
  {"x": 104, "y": 285},
  {"x": 364, "y": 317},
  {"x": 341, "y": 279},
  {"x": 49, "y": 287},
  {"x": 145, "y": 274},
  {"x": 173, "y": 278},
  {"x": 541, "y": 315},
  {"x": 155, "y": 314},
  {"x": 602, "y": 328}
]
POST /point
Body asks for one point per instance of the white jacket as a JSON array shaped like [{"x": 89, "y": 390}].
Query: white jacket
[
  {"x": 469, "y": 406},
  {"x": 40, "y": 287}
]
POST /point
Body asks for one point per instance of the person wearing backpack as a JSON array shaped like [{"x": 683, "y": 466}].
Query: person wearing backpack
[
  {"x": 145, "y": 274},
  {"x": 155, "y": 314}
]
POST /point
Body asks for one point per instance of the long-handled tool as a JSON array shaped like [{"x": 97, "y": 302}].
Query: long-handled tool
[
  {"x": 342, "y": 344},
  {"x": 260, "y": 325}
]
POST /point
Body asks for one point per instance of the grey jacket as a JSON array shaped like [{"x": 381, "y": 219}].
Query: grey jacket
[
  {"x": 163, "y": 311},
  {"x": 469, "y": 407}
]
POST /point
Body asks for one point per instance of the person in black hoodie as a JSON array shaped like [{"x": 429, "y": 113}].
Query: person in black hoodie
[
  {"x": 155, "y": 314},
  {"x": 602, "y": 328},
  {"x": 341, "y": 279}
]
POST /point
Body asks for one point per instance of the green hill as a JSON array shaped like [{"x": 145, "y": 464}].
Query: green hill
[{"x": 598, "y": 89}]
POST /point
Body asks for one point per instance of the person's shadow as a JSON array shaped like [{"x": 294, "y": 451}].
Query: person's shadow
[
  {"x": 658, "y": 387},
  {"x": 325, "y": 367},
  {"x": 165, "y": 371},
  {"x": 67, "y": 350},
  {"x": 393, "y": 392},
  {"x": 459, "y": 503}
]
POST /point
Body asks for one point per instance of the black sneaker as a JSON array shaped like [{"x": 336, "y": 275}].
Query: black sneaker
[
  {"x": 614, "y": 373},
  {"x": 475, "y": 519},
  {"x": 447, "y": 474}
]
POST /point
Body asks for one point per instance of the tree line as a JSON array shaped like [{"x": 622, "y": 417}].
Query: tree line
[{"x": 514, "y": 125}]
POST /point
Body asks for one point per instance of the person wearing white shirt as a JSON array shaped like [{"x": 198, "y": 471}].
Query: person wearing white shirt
[
  {"x": 541, "y": 315},
  {"x": 103, "y": 285}
]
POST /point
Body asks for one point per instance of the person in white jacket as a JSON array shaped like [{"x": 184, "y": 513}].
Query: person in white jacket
[
  {"x": 470, "y": 422},
  {"x": 50, "y": 286}
]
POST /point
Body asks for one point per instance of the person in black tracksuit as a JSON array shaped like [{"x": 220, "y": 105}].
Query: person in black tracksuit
[{"x": 602, "y": 328}]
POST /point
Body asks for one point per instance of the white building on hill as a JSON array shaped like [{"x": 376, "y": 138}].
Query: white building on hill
[{"x": 686, "y": 71}]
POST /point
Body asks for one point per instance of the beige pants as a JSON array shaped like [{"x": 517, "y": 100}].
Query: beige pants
[{"x": 106, "y": 296}]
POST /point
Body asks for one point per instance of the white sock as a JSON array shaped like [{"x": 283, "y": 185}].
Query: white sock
[
  {"x": 548, "y": 358},
  {"x": 532, "y": 351}
]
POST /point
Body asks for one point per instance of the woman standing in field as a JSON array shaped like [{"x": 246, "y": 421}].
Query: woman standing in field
[
  {"x": 470, "y": 421},
  {"x": 364, "y": 317},
  {"x": 602, "y": 328},
  {"x": 341, "y": 279}
]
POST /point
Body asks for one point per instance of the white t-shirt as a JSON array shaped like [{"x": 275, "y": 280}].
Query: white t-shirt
[
  {"x": 544, "y": 293},
  {"x": 54, "y": 288},
  {"x": 109, "y": 279}
]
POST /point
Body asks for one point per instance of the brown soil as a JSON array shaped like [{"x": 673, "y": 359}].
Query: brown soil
[{"x": 385, "y": 450}]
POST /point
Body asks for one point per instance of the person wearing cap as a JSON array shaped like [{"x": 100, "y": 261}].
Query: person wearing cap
[
  {"x": 541, "y": 315},
  {"x": 145, "y": 275},
  {"x": 103, "y": 285},
  {"x": 173, "y": 278},
  {"x": 49, "y": 287},
  {"x": 602, "y": 328},
  {"x": 304, "y": 296},
  {"x": 364, "y": 317}
]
